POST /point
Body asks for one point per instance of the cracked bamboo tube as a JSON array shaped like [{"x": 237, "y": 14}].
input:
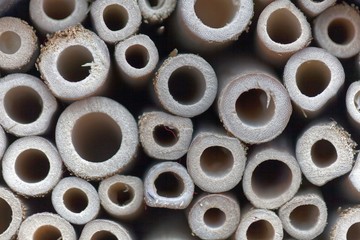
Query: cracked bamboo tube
[
  {"x": 104, "y": 229},
  {"x": 352, "y": 101},
  {"x": 155, "y": 12},
  {"x": 314, "y": 8},
  {"x": 346, "y": 224}
]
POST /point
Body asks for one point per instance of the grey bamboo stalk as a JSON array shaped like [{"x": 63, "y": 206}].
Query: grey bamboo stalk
[
  {"x": 155, "y": 12},
  {"x": 46, "y": 226},
  {"x": 104, "y": 229},
  {"x": 85, "y": 124},
  {"x": 346, "y": 224},
  {"x": 168, "y": 185},
  {"x": 115, "y": 20},
  {"x": 74, "y": 63},
  {"x": 314, "y": 8},
  {"x": 27, "y": 106},
  {"x": 354, "y": 176},
  {"x": 165, "y": 136},
  {"x": 18, "y": 45},
  {"x": 353, "y": 103}
]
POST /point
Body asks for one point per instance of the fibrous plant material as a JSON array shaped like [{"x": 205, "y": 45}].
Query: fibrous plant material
[
  {"x": 156, "y": 11},
  {"x": 346, "y": 224},
  {"x": 353, "y": 103},
  {"x": 104, "y": 229},
  {"x": 96, "y": 137},
  {"x": 313, "y": 8}
]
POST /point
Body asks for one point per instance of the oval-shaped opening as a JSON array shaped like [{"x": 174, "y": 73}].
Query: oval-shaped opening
[
  {"x": 155, "y": 4},
  {"x": 75, "y": 200},
  {"x": 260, "y": 229},
  {"x": 357, "y": 101},
  {"x": 121, "y": 193},
  {"x": 47, "y": 232},
  {"x": 169, "y": 184},
  {"x": 96, "y": 137},
  {"x": 115, "y": 17},
  {"x": 341, "y": 31},
  {"x": 353, "y": 232},
  {"x": 10, "y": 42},
  {"x": 216, "y": 161},
  {"x": 32, "y": 166},
  {"x": 23, "y": 104},
  {"x": 214, "y": 218},
  {"x": 103, "y": 235},
  {"x": 165, "y": 136},
  {"x": 137, "y": 56},
  {"x": 305, "y": 217},
  {"x": 5, "y": 216},
  {"x": 323, "y": 153},
  {"x": 59, "y": 9}
]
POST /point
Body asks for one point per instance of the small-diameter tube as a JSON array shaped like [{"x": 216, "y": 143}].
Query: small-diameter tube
[
  {"x": 165, "y": 136},
  {"x": 304, "y": 216},
  {"x": 122, "y": 196},
  {"x": 115, "y": 20},
  {"x": 282, "y": 30},
  {"x": 136, "y": 59},
  {"x": 168, "y": 185},
  {"x": 214, "y": 216},
  {"x": 325, "y": 151},
  {"x": 49, "y": 16},
  {"x": 186, "y": 85},
  {"x": 346, "y": 224},
  {"x": 215, "y": 161},
  {"x": 27, "y": 106},
  {"x": 74, "y": 63},
  {"x": 48, "y": 226},
  {"x": 76, "y": 200},
  {"x": 155, "y": 12},
  {"x": 313, "y": 78},
  {"x": 18, "y": 45},
  {"x": 32, "y": 166},
  {"x": 313, "y": 8},
  {"x": 352, "y": 101},
  {"x": 337, "y": 30},
  {"x": 96, "y": 137},
  {"x": 101, "y": 229}
]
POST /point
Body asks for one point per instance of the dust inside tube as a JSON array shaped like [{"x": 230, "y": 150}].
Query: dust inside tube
[
  {"x": 121, "y": 194},
  {"x": 260, "y": 229},
  {"x": 103, "y": 235},
  {"x": 323, "y": 153},
  {"x": 304, "y": 217},
  {"x": 216, "y": 161},
  {"x": 165, "y": 136},
  {"x": 353, "y": 232},
  {"x": 155, "y": 4},
  {"x": 10, "y": 42},
  {"x": 32, "y": 166},
  {"x": 137, "y": 56},
  {"x": 214, "y": 218},
  {"x": 341, "y": 31},
  {"x": 23, "y": 104},
  {"x": 59, "y": 9},
  {"x": 75, "y": 200},
  {"x": 47, "y": 232},
  {"x": 115, "y": 17},
  {"x": 92, "y": 129},
  {"x": 5, "y": 216},
  {"x": 169, "y": 184}
]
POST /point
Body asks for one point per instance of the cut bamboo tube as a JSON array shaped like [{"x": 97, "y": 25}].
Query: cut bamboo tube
[
  {"x": 353, "y": 103},
  {"x": 101, "y": 229},
  {"x": 49, "y": 16},
  {"x": 354, "y": 176},
  {"x": 185, "y": 85},
  {"x": 325, "y": 151},
  {"x": 313, "y": 78},
  {"x": 74, "y": 63},
  {"x": 115, "y": 20},
  {"x": 27, "y": 107},
  {"x": 337, "y": 30},
  {"x": 122, "y": 196},
  {"x": 48, "y": 226},
  {"x": 96, "y": 137},
  {"x": 165, "y": 136},
  {"x": 76, "y": 200},
  {"x": 281, "y": 30},
  {"x": 136, "y": 59},
  {"x": 155, "y": 12},
  {"x": 314, "y": 8},
  {"x": 214, "y": 216},
  {"x": 216, "y": 162},
  {"x": 346, "y": 224},
  {"x": 168, "y": 185},
  {"x": 18, "y": 45},
  {"x": 32, "y": 166}
]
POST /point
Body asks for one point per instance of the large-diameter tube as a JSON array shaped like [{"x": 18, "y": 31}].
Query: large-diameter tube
[{"x": 346, "y": 224}]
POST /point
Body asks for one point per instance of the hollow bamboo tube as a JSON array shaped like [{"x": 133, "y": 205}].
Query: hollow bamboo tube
[
  {"x": 104, "y": 229},
  {"x": 27, "y": 107},
  {"x": 155, "y": 12},
  {"x": 354, "y": 176},
  {"x": 353, "y": 103},
  {"x": 325, "y": 151},
  {"x": 313, "y": 78},
  {"x": 115, "y": 20},
  {"x": 74, "y": 63},
  {"x": 76, "y": 200},
  {"x": 168, "y": 185},
  {"x": 346, "y": 224},
  {"x": 96, "y": 137},
  {"x": 46, "y": 226},
  {"x": 314, "y": 8},
  {"x": 18, "y": 45},
  {"x": 165, "y": 136}
]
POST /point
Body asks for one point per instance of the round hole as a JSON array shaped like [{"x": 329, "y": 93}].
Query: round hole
[
  {"x": 74, "y": 63},
  {"x": 32, "y": 166},
  {"x": 10, "y": 42},
  {"x": 169, "y": 184},
  {"x": 23, "y": 104},
  {"x": 47, "y": 232},
  {"x": 92, "y": 129},
  {"x": 341, "y": 31},
  {"x": 283, "y": 27},
  {"x": 137, "y": 56},
  {"x": 187, "y": 85},
  {"x": 58, "y": 9},
  {"x": 103, "y": 235},
  {"x": 353, "y": 232},
  {"x": 216, "y": 161},
  {"x": 155, "y": 3},
  {"x": 271, "y": 184},
  {"x": 323, "y": 153},
  {"x": 121, "y": 194},
  {"x": 304, "y": 217},
  {"x": 215, "y": 13},
  {"x": 255, "y": 107},
  {"x": 214, "y": 218},
  {"x": 165, "y": 136},
  {"x": 75, "y": 200},
  {"x": 115, "y": 17},
  {"x": 5, "y": 216},
  {"x": 312, "y": 78},
  {"x": 260, "y": 229}
]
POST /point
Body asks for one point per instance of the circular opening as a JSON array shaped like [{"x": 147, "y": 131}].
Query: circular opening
[
  {"x": 115, "y": 17},
  {"x": 32, "y": 166},
  {"x": 341, "y": 31},
  {"x": 74, "y": 63},
  {"x": 271, "y": 184},
  {"x": 283, "y": 27},
  {"x": 353, "y": 232},
  {"x": 103, "y": 235},
  {"x": 255, "y": 107},
  {"x": 23, "y": 104},
  {"x": 216, "y": 161},
  {"x": 10, "y": 42},
  {"x": 58, "y": 9},
  {"x": 323, "y": 153},
  {"x": 215, "y": 13},
  {"x": 92, "y": 129},
  {"x": 260, "y": 229},
  {"x": 75, "y": 200},
  {"x": 155, "y": 3},
  {"x": 5, "y": 216},
  {"x": 121, "y": 194},
  {"x": 169, "y": 184},
  {"x": 214, "y": 218},
  {"x": 187, "y": 85},
  {"x": 47, "y": 232},
  {"x": 137, "y": 56},
  {"x": 165, "y": 136},
  {"x": 304, "y": 217},
  {"x": 313, "y": 77}
]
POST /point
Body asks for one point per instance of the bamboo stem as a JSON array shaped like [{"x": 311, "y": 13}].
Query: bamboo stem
[{"x": 104, "y": 229}]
